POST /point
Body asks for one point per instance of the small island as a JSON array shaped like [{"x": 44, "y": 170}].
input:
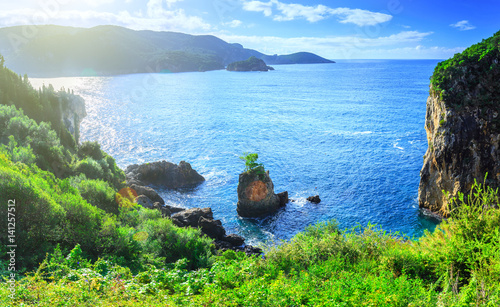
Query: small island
[{"x": 251, "y": 64}]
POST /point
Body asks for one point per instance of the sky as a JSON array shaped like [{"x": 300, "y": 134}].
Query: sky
[{"x": 339, "y": 29}]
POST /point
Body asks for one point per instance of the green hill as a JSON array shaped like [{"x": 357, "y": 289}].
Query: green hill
[{"x": 110, "y": 50}]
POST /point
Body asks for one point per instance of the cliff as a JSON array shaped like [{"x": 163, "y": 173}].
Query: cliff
[
  {"x": 72, "y": 108},
  {"x": 462, "y": 125}
]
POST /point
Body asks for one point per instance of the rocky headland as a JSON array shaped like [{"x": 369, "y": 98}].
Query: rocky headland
[
  {"x": 251, "y": 64},
  {"x": 462, "y": 125}
]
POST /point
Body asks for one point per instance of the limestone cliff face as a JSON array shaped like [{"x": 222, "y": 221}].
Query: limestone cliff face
[
  {"x": 462, "y": 125},
  {"x": 463, "y": 146},
  {"x": 72, "y": 108}
]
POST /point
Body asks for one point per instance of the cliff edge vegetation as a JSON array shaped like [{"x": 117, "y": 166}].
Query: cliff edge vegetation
[{"x": 462, "y": 125}]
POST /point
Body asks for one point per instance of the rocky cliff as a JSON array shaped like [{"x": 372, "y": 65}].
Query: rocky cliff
[
  {"x": 462, "y": 125},
  {"x": 72, "y": 108}
]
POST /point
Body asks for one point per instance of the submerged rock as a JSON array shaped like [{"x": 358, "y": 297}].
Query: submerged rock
[
  {"x": 163, "y": 173},
  {"x": 314, "y": 199},
  {"x": 256, "y": 196}
]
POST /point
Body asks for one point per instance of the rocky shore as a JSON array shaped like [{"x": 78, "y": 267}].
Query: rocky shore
[{"x": 174, "y": 176}]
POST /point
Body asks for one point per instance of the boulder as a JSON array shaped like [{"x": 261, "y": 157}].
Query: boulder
[
  {"x": 147, "y": 191},
  {"x": 222, "y": 245},
  {"x": 234, "y": 239},
  {"x": 256, "y": 196},
  {"x": 283, "y": 196},
  {"x": 144, "y": 201},
  {"x": 163, "y": 173},
  {"x": 165, "y": 212},
  {"x": 314, "y": 199},
  {"x": 252, "y": 250},
  {"x": 174, "y": 209},
  {"x": 212, "y": 228},
  {"x": 191, "y": 217}
]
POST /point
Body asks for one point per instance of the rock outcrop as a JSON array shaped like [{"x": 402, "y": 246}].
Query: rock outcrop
[
  {"x": 149, "y": 192},
  {"x": 163, "y": 173},
  {"x": 252, "y": 64},
  {"x": 256, "y": 196},
  {"x": 314, "y": 199},
  {"x": 72, "y": 110},
  {"x": 462, "y": 125},
  {"x": 191, "y": 217}
]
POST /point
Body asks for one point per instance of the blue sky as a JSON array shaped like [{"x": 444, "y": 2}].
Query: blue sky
[{"x": 341, "y": 29}]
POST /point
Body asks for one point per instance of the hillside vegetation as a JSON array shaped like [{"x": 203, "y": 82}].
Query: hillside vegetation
[
  {"x": 110, "y": 50},
  {"x": 471, "y": 77}
]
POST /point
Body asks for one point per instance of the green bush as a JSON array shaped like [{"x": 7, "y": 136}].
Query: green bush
[
  {"x": 90, "y": 149},
  {"x": 251, "y": 165},
  {"x": 164, "y": 240},
  {"x": 97, "y": 193}
]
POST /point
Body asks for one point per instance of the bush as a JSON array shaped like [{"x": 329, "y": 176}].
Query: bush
[
  {"x": 97, "y": 193},
  {"x": 164, "y": 240},
  {"x": 251, "y": 164},
  {"x": 90, "y": 149}
]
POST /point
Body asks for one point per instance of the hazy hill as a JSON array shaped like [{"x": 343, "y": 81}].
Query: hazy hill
[{"x": 108, "y": 50}]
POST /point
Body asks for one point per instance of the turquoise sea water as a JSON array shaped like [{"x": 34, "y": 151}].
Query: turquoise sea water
[{"x": 352, "y": 132}]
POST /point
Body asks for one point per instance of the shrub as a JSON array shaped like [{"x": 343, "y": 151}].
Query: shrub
[
  {"x": 90, "y": 149},
  {"x": 164, "y": 240},
  {"x": 97, "y": 193},
  {"x": 251, "y": 164}
]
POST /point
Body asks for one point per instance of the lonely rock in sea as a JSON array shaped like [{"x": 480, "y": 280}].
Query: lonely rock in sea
[
  {"x": 314, "y": 199},
  {"x": 163, "y": 173},
  {"x": 256, "y": 196}
]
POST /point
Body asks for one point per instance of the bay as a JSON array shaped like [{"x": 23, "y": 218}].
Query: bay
[{"x": 352, "y": 132}]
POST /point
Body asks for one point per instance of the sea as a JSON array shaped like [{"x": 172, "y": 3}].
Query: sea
[{"x": 351, "y": 132}]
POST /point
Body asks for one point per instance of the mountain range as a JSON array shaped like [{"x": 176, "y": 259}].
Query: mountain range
[{"x": 57, "y": 51}]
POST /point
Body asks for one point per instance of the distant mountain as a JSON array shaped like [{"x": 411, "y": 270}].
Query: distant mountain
[{"x": 52, "y": 51}]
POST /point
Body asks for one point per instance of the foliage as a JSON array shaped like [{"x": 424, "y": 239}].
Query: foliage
[
  {"x": 470, "y": 77},
  {"x": 44, "y": 105},
  {"x": 96, "y": 192},
  {"x": 457, "y": 265},
  {"x": 251, "y": 165}
]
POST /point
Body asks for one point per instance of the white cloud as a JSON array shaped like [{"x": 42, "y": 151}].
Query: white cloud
[
  {"x": 292, "y": 11},
  {"x": 463, "y": 25},
  {"x": 258, "y": 6},
  {"x": 347, "y": 47},
  {"x": 157, "y": 19},
  {"x": 233, "y": 24},
  {"x": 171, "y": 2}
]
